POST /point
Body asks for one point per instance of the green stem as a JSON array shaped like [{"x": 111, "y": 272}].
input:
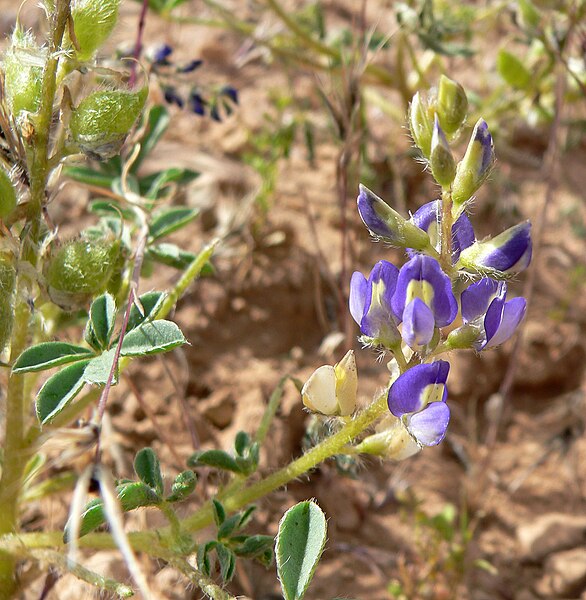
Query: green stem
[
  {"x": 446, "y": 232},
  {"x": 16, "y": 448}
]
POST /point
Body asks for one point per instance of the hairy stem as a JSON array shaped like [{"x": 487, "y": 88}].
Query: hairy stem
[{"x": 16, "y": 449}]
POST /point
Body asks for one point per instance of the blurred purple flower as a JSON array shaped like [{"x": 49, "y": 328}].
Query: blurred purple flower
[
  {"x": 423, "y": 299},
  {"x": 484, "y": 306},
  {"x": 190, "y": 66},
  {"x": 428, "y": 216},
  {"x": 161, "y": 54},
  {"x": 197, "y": 103},
  {"x": 230, "y": 92},
  {"x": 370, "y": 304},
  {"x": 172, "y": 97},
  {"x": 418, "y": 397}
]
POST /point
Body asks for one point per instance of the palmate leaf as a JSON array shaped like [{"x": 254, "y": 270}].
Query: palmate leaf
[
  {"x": 300, "y": 543},
  {"x": 47, "y": 355}
]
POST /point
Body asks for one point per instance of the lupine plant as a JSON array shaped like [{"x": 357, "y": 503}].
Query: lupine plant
[{"x": 451, "y": 294}]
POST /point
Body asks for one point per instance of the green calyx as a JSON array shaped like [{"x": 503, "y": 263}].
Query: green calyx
[
  {"x": 79, "y": 270},
  {"x": 452, "y": 105},
  {"x": 23, "y": 72},
  {"x": 93, "y": 22},
  {"x": 101, "y": 122}
]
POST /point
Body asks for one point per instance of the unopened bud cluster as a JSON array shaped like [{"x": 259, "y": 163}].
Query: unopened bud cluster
[{"x": 410, "y": 311}]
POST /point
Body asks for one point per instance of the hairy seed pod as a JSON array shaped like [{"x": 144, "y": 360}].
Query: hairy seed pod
[
  {"x": 7, "y": 287},
  {"x": 101, "y": 122},
  {"x": 79, "y": 270},
  {"x": 8, "y": 197},
  {"x": 23, "y": 71},
  {"x": 93, "y": 22}
]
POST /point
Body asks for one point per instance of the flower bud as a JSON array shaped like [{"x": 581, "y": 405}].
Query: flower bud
[
  {"x": 93, "y": 22},
  {"x": 79, "y": 270},
  {"x": 388, "y": 224},
  {"x": 101, "y": 122},
  {"x": 7, "y": 287},
  {"x": 506, "y": 254},
  {"x": 452, "y": 105},
  {"x": 462, "y": 338},
  {"x": 7, "y": 194},
  {"x": 441, "y": 161},
  {"x": 392, "y": 440},
  {"x": 332, "y": 390},
  {"x": 23, "y": 71},
  {"x": 474, "y": 168},
  {"x": 421, "y": 124}
]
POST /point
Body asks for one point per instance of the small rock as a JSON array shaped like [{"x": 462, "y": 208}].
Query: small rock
[
  {"x": 219, "y": 408},
  {"x": 565, "y": 574},
  {"x": 550, "y": 533}
]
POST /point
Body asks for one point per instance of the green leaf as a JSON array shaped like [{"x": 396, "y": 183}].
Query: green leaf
[
  {"x": 242, "y": 442},
  {"x": 152, "y": 338},
  {"x": 203, "y": 557},
  {"x": 228, "y": 527},
  {"x": 49, "y": 354},
  {"x": 183, "y": 486},
  {"x": 111, "y": 208},
  {"x": 227, "y": 560},
  {"x": 246, "y": 516},
  {"x": 102, "y": 321},
  {"x": 513, "y": 71},
  {"x": 171, "y": 220},
  {"x": 158, "y": 120},
  {"x": 59, "y": 390},
  {"x": 172, "y": 256},
  {"x": 152, "y": 185},
  {"x": 98, "y": 369},
  {"x": 219, "y": 512},
  {"x": 89, "y": 176},
  {"x": 255, "y": 545},
  {"x": 131, "y": 494},
  {"x": 214, "y": 458},
  {"x": 151, "y": 303},
  {"x": 300, "y": 543},
  {"x": 148, "y": 469}
]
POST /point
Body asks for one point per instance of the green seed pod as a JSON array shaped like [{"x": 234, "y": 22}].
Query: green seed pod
[
  {"x": 93, "y": 22},
  {"x": 7, "y": 287},
  {"x": 452, "y": 105},
  {"x": 8, "y": 197},
  {"x": 79, "y": 270},
  {"x": 23, "y": 71},
  {"x": 101, "y": 122}
]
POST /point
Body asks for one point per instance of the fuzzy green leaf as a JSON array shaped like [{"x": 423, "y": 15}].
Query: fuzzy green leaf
[
  {"x": 300, "y": 543},
  {"x": 219, "y": 512},
  {"x": 255, "y": 545},
  {"x": 102, "y": 321},
  {"x": 183, "y": 486},
  {"x": 158, "y": 120},
  {"x": 214, "y": 458},
  {"x": 59, "y": 390},
  {"x": 173, "y": 256},
  {"x": 227, "y": 560},
  {"x": 98, "y": 369},
  {"x": 148, "y": 468},
  {"x": 49, "y": 354},
  {"x": 151, "y": 303},
  {"x": 153, "y": 185},
  {"x": 89, "y": 176},
  {"x": 152, "y": 338},
  {"x": 171, "y": 220},
  {"x": 513, "y": 71}
]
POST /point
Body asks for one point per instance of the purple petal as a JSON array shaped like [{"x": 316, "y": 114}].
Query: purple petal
[
  {"x": 429, "y": 426},
  {"x": 477, "y": 297},
  {"x": 437, "y": 294},
  {"x": 482, "y": 135},
  {"x": 513, "y": 313},
  {"x": 418, "y": 324},
  {"x": 509, "y": 252},
  {"x": 494, "y": 314},
  {"x": 368, "y": 203},
  {"x": 357, "y": 300},
  {"x": 419, "y": 385},
  {"x": 427, "y": 217}
]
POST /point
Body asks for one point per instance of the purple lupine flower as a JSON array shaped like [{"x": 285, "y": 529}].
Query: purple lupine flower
[
  {"x": 230, "y": 92},
  {"x": 509, "y": 252},
  {"x": 197, "y": 103},
  {"x": 370, "y": 304},
  {"x": 418, "y": 397},
  {"x": 161, "y": 54},
  {"x": 172, "y": 97},
  {"x": 484, "y": 306},
  {"x": 423, "y": 300},
  {"x": 427, "y": 217},
  {"x": 191, "y": 66},
  {"x": 387, "y": 224}
]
